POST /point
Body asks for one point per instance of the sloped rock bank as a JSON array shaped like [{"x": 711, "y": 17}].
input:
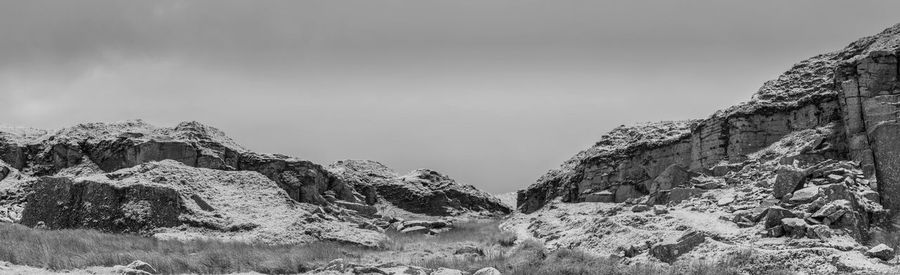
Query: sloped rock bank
[
  {"x": 171, "y": 200},
  {"x": 421, "y": 191}
]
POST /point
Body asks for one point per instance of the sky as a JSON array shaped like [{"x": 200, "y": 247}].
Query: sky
[{"x": 493, "y": 93}]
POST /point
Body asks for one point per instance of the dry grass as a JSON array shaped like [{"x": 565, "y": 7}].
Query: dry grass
[
  {"x": 74, "y": 249},
  {"x": 77, "y": 249}
]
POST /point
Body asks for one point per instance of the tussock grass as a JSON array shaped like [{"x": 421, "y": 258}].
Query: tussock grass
[
  {"x": 74, "y": 249},
  {"x": 78, "y": 249}
]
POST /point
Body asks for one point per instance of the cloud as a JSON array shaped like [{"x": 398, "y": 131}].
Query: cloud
[{"x": 492, "y": 92}]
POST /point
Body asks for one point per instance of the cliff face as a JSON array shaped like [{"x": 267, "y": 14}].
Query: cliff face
[{"x": 854, "y": 89}]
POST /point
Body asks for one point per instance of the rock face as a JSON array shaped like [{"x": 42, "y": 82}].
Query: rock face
[
  {"x": 421, "y": 191},
  {"x": 114, "y": 146},
  {"x": 854, "y": 91}
]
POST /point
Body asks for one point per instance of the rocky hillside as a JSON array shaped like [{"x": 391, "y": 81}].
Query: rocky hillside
[
  {"x": 421, "y": 191},
  {"x": 814, "y": 155},
  {"x": 192, "y": 180}
]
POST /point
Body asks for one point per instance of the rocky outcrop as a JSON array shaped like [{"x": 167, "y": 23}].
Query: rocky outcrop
[
  {"x": 421, "y": 191},
  {"x": 114, "y": 146},
  {"x": 854, "y": 91},
  {"x": 58, "y": 203},
  {"x": 171, "y": 200}
]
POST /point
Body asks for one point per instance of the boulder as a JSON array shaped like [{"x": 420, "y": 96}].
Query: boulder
[
  {"x": 669, "y": 251},
  {"x": 488, "y": 271},
  {"x": 832, "y": 212},
  {"x": 805, "y": 195},
  {"x": 787, "y": 180},
  {"x": 142, "y": 266},
  {"x": 775, "y": 215},
  {"x": 881, "y": 251},
  {"x": 794, "y": 227},
  {"x": 819, "y": 231}
]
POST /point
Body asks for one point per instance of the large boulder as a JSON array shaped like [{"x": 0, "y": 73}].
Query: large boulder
[
  {"x": 421, "y": 191},
  {"x": 787, "y": 180},
  {"x": 881, "y": 251},
  {"x": 669, "y": 251}
]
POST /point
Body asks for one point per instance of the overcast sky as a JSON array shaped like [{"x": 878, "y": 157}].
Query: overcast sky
[{"x": 493, "y": 93}]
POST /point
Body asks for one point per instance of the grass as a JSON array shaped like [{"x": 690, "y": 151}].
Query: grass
[
  {"x": 74, "y": 249},
  {"x": 78, "y": 249}
]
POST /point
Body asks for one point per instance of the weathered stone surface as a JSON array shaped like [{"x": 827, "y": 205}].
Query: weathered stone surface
[
  {"x": 602, "y": 196},
  {"x": 421, "y": 191},
  {"x": 674, "y": 176},
  {"x": 775, "y": 215},
  {"x": 60, "y": 203},
  {"x": 680, "y": 194},
  {"x": 669, "y": 251},
  {"x": 787, "y": 180},
  {"x": 488, "y": 271},
  {"x": 881, "y": 251},
  {"x": 886, "y": 145},
  {"x": 805, "y": 195},
  {"x": 794, "y": 227}
]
